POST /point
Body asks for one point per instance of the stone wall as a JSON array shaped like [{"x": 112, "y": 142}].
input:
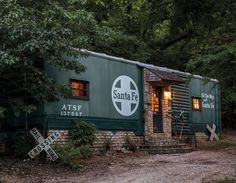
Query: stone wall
[
  {"x": 116, "y": 139},
  {"x": 166, "y": 113},
  {"x": 64, "y": 136},
  {"x": 148, "y": 116},
  {"x": 201, "y": 137}
]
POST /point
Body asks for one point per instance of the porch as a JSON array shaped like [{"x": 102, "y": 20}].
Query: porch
[{"x": 158, "y": 104}]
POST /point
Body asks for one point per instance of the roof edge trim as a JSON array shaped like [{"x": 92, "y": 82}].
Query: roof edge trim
[{"x": 120, "y": 59}]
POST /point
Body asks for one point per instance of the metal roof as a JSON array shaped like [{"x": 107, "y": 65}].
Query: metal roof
[
  {"x": 159, "y": 75},
  {"x": 148, "y": 66}
]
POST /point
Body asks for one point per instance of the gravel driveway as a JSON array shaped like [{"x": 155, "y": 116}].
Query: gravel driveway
[{"x": 194, "y": 167}]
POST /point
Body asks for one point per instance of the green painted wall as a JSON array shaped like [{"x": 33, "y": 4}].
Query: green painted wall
[
  {"x": 99, "y": 109},
  {"x": 210, "y": 96}
]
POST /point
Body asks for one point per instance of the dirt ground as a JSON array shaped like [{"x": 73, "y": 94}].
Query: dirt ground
[{"x": 194, "y": 167}]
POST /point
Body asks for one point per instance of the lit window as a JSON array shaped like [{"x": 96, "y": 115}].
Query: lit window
[
  {"x": 79, "y": 89},
  {"x": 155, "y": 102},
  {"x": 196, "y": 103}
]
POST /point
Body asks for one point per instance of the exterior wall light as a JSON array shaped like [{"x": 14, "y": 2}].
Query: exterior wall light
[{"x": 167, "y": 95}]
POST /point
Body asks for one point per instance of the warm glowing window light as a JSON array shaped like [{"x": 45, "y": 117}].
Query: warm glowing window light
[
  {"x": 79, "y": 88},
  {"x": 196, "y": 103},
  {"x": 167, "y": 95},
  {"x": 155, "y": 102}
]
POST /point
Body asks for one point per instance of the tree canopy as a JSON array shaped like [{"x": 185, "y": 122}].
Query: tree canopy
[
  {"x": 188, "y": 35},
  {"x": 32, "y": 32}
]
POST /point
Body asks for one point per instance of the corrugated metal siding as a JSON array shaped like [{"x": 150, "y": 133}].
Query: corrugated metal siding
[
  {"x": 181, "y": 101},
  {"x": 180, "y": 96}
]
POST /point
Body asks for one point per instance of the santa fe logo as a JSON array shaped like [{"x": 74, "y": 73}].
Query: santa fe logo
[{"x": 125, "y": 95}]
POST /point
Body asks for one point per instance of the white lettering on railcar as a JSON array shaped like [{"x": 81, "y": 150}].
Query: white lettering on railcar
[
  {"x": 71, "y": 110},
  {"x": 208, "y": 101}
]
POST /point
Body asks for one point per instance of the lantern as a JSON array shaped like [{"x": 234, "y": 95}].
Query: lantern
[{"x": 167, "y": 95}]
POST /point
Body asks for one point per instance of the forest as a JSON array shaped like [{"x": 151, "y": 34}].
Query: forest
[{"x": 196, "y": 36}]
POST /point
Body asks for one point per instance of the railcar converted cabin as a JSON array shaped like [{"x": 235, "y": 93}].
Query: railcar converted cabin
[{"x": 122, "y": 96}]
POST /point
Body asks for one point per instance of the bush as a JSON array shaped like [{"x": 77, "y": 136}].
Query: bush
[
  {"x": 83, "y": 133},
  {"x": 86, "y": 151},
  {"x": 68, "y": 155},
  {"x": 83, "y": 136},
  {"x": 21, "y": 143},
  {"x": 130, "y": 144}
]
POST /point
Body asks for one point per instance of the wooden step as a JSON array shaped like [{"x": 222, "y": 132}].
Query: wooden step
[
  {"x": 173, "y": 150},
  {"x": 162, "y": 146},
  {"x": 163, "y": 143},
  {"x": 165, "y": 146}
]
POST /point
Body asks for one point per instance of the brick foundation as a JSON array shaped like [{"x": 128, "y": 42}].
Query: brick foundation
[
  {"x": 64, "y": 136},
  {"x": 201, "y": 137},
  {"x": 115, "y": 139}
]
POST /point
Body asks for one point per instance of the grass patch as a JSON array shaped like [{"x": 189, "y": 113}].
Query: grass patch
[
  {"x": 217, "y": 145},
  {"x": 226, "y": 180}
]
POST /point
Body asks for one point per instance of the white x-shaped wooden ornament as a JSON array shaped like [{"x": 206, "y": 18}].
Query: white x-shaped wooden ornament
[
  {"x": 213, "y": 133},
  {"x": 44, "y": 144}
]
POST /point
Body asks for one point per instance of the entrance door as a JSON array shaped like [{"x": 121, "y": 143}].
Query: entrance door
[{"x": 157, "y": 110}]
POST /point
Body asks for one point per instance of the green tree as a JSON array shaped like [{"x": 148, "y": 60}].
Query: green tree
[
  {"x": 215, "y": 57},
  {"x": 32, "y": 32}
]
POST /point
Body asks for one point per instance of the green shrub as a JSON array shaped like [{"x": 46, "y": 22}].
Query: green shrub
[
  {"x": 21, "y": 143},
  {"x": 83, "y": 133},
  {"x": 86, "y": 151},
  {"x": 130, "y": 144},
  {"x": 69, "y": 154},
  {"x": 83, "y": 136}
]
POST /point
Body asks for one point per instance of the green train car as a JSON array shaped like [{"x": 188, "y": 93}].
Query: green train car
[{"x": 120, "y": 95}]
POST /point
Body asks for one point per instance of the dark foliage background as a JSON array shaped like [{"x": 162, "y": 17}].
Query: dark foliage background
[{"x": 188, "y": 35}]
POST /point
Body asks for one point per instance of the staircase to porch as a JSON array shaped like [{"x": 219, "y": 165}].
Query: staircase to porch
[{"x": 165, "y": 146}]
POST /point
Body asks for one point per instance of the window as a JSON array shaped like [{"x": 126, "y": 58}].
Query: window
[
  {"x": 155, "y": 101},
  {"x": 79, "y": 89},
  {"x": 196, "y": 103}
]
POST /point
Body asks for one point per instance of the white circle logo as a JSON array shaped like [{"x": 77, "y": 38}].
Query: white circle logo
[{"x": 125, "y": 95}]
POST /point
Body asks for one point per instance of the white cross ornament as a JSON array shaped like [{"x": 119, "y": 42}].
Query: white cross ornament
[
  {"x": 181, "y": 112},
  {"x": 213, "y": 133},
  {"x": 44, "y": 144}
]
